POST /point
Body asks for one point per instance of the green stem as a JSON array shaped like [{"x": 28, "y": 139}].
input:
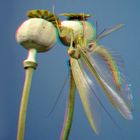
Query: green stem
[
  {"x": 69, "y": 110},
  {"x": 29, "y": 68}
]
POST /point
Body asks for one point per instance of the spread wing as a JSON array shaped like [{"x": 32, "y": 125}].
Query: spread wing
[{"x": 104, "y": 74}]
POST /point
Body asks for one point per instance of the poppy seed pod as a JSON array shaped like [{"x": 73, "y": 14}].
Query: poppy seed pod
[
  {"x": 36, "y": 33},
  {"x": 82, "y": 28}
]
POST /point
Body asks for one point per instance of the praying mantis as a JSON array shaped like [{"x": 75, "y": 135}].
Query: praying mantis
[{"x": 90, "y": 64}]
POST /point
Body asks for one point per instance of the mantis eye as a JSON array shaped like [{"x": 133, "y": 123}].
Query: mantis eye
[{"x": 91, "y": 46}]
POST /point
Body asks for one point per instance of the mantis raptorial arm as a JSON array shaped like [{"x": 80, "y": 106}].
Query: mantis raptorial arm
[{"x": 64, "y": 31}]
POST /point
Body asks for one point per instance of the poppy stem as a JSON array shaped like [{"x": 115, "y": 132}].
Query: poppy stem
[
  {"x": 69, "y": 110},
  {"x": 29, "y": 66}
]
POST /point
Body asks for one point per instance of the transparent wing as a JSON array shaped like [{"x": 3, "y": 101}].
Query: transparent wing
[
  {"x": 109, "y": 65},
  {"x": 89, "y": 100},
  {"x": 96, "y": 90},
  {"x": 101, "y": 70},
  {"x": 109, "y": 30}
]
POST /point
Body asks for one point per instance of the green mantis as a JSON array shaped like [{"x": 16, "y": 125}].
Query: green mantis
[{"x": 91, "y": 64}]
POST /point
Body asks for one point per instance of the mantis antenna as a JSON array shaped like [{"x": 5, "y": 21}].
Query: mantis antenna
[{"x": 59, "y": 95}]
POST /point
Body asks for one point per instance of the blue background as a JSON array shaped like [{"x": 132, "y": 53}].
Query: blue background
[{"x": 52, "y": 70}]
